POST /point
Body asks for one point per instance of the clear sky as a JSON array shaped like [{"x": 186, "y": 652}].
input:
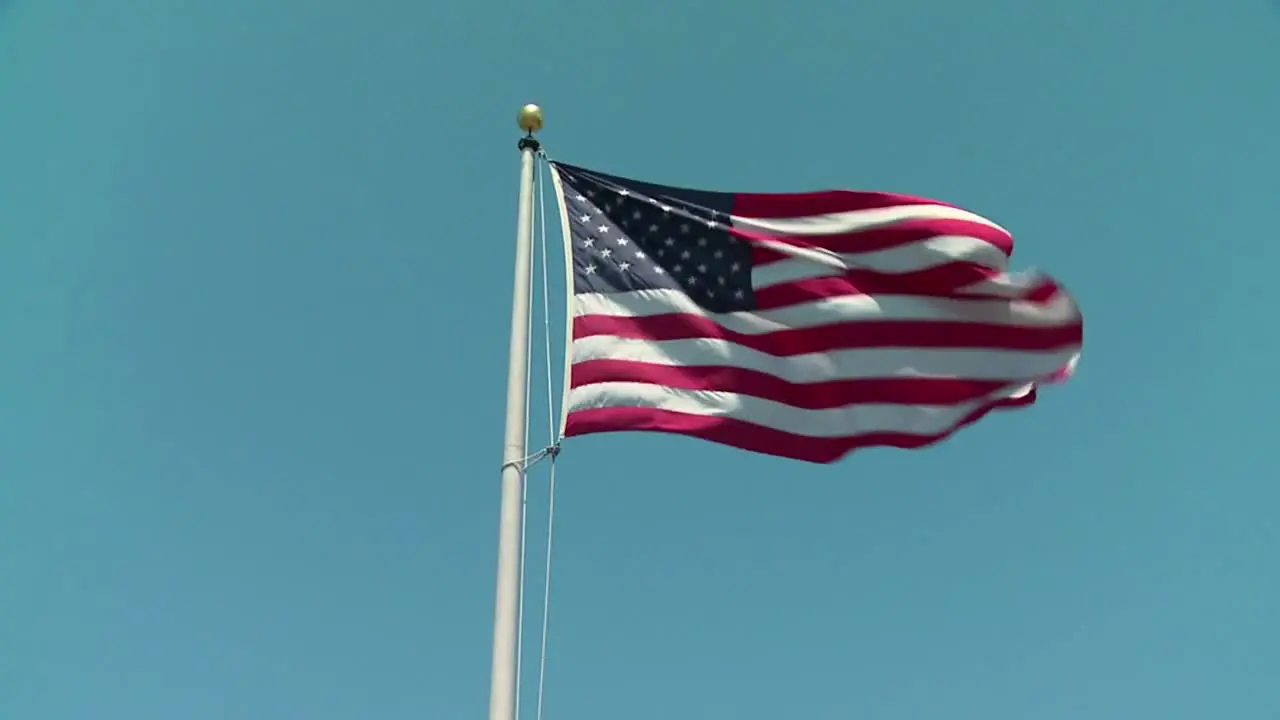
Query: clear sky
[{"x": 255, "y": 266}]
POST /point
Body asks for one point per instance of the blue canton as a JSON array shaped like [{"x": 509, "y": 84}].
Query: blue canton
[{"x": 637, "y": 236}]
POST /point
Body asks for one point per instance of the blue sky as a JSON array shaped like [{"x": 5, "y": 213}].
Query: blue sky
[{"x": 254, "y": 297}]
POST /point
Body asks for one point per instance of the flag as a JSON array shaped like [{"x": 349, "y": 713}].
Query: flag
[{"x": 802, "y": 325}]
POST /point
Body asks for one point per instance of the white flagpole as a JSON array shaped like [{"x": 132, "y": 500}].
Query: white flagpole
[{"x": 506, "y": 613}]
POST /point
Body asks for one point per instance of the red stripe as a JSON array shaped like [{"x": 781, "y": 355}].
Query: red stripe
[
  {"x": 900, "y": 234},
  {"x": 822, "y": 202},
  {"x": 1042, "y": 293},
  {"x": 757, "y": 438},
  {"x": 836, "y": 336},
  {"x": 806, "y": 396},
  {"x": 946, "y": 282}
]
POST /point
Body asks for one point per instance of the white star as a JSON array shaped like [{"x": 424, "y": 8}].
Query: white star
[
  {"x": 624, "y": 193},
  {"x": 603, "y": 228},
  {"x": 718, "y": 254},
  {"x": 702, "y": 269},
  {"x": 637, "y": 214},
  {"x": 720, "y": 279},
  {"x": 669, "y": 242},
  {"x": 657, "y": 269},
  {"x": 684, "y": 228},
  {"x": 738, "y": 294},
  {"x": 584, "y": 218},
  {"x": 639, "y": 255},
  {"x": 691, "y": 280},
  {"x": 685, "y": 255},
  {"x": 653, "y": 228},
  {"x": 622, "y": 241},
  {"x": 624, "y": 265},
  {"x": 590, "y": 269},
  {"x": 666, "y": 209},
  {"x": 606, "y": 252},
  {"x": 581, "y": 198},
  {"x": 589, "y": 242},
  {"x": 678, "y": 267},
  {"x": 735, "y": 267},
  {"x": 713, "y": 224},
  {"x": 702, "y": 242}
]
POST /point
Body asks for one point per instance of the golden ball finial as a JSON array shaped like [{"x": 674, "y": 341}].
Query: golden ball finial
[{"x": 530, "y": 118}]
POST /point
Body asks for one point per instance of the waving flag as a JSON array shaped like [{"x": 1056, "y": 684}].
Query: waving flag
[{"x": 801, "y": 325}]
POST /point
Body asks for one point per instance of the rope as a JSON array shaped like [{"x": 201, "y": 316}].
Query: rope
[
  {"x": 552, "y": 451},
  {"x": 527, "y": 462},
  {"x": 546, "y": 313},
  {"x": 546, "y": 586}
]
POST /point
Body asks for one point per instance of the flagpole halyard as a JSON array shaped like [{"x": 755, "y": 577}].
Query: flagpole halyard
[{"x": 502, "y": 700}]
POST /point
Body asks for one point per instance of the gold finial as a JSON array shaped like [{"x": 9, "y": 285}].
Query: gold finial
[{"x": 530, "y": 118}]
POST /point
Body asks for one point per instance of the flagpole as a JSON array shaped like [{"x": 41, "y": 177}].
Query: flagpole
[{"x": 506, "y": 613}]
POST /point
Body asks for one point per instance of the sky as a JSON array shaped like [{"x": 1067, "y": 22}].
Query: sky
[{"x": 255, "y": 265}]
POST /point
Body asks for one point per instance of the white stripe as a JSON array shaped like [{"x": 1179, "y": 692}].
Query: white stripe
[
  {"x": 857, "y": 220},
  {"x": 915, "y": 256},
  {"x": 1059, "y": 311},
  {"x": 1013, "y": 286},
  {"x": 870, "y": 363},
  {"x": 827, "y": 423},
  {"x": 833, "y": 262}
]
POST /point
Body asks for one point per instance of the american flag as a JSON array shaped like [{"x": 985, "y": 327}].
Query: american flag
[{"x": 801, "y": 325}]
